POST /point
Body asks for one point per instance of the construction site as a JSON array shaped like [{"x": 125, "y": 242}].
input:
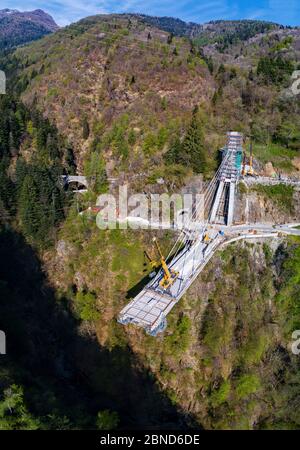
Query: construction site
[{"x": 195, "y": 246}]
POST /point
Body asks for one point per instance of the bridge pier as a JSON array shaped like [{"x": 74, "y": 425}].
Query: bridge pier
[
  {"x": 223, "y": 204},
  {"x": 232, "y": 188},
  {"x": 216, "y": 203}
]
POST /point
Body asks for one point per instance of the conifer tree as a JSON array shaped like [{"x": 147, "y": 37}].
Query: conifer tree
[
  {"x": 172, "y": 156},
  {"x": 29, "y": 207},
  {"x": 70, "y": 161},
  {"x": 85, "y": 128},
  {"x": 14, "y": 414},
  {"x": 7, "y": 191},
  {"x": 193, "y": 150}
]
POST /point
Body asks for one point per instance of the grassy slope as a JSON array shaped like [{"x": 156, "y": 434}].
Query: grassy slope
[{"x": 280, "y": 156}]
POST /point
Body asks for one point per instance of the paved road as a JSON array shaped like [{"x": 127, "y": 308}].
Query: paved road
[
  {"x": 245, "y": 229},
  {"x": 268, "y": 181}
]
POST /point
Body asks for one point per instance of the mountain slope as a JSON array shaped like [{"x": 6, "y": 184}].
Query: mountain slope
[
  {"x": 133, "y": 88},
  {"x": 120, "y": 91},
  {"x": 223, "y": 32},
  {"x": 20, "y": 27},
  {"x": 115, "y": 70},
  {"x": 176, "y": 26}
]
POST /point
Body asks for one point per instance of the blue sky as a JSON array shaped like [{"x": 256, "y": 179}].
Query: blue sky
[{"x": 286, "y": 12}]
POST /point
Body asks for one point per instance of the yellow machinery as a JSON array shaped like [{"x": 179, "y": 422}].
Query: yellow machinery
[
  {"x": 206, "y": 238},
  {"x": 244, "y": 165},
  {"x": 154, "y": 264},
  {"x": 248, "y": 170},
  {"x": 169, "y": 275}
]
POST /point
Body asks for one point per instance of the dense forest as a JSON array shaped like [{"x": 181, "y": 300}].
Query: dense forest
[
  {"x": 116, "y": 96},
  {"x": 32, "y": 196},
  {"x": 33, "y": 156}
]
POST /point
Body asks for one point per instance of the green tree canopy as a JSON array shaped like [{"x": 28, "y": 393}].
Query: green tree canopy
[
  {"x": 13, "y": 412},
  {"x": 107, "y": 420},
  {"x": 193, "y": 151}
]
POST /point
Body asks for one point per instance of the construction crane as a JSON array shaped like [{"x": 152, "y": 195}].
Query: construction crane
[
  {"x": 153, "y": 263},
  {"x": 169, "y": 275}
]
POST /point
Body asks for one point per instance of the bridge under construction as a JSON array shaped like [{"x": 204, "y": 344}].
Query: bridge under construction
[{"x": 192, "y": 250}]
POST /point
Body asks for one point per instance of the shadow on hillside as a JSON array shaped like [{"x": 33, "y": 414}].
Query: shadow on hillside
[
  {"x": 64, "y": 373},
  {"x": 137, "y": 288}
]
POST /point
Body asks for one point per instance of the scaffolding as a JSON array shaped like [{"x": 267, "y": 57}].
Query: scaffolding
[{"x": 222, "y": 211}]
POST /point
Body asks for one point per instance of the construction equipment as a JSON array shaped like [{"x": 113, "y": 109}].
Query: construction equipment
[
  {"x": 248, "y": 168},
  {"x": 169, "y": 275},
  {"x": 206, "y": 238},
  {"x": 251, "y": 171},
  {"x": 153, "y": 263}
]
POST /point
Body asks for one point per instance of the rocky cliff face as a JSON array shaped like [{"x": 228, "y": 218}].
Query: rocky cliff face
[{"x": 268, "y": 205}]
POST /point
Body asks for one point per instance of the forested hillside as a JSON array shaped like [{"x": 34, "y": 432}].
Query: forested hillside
[
  {"x": 223, "y": 33},
  {"x": 114, "y": 96},
  {"x": 115, "y": 84},
  {"x": 18, "y": 28}
]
